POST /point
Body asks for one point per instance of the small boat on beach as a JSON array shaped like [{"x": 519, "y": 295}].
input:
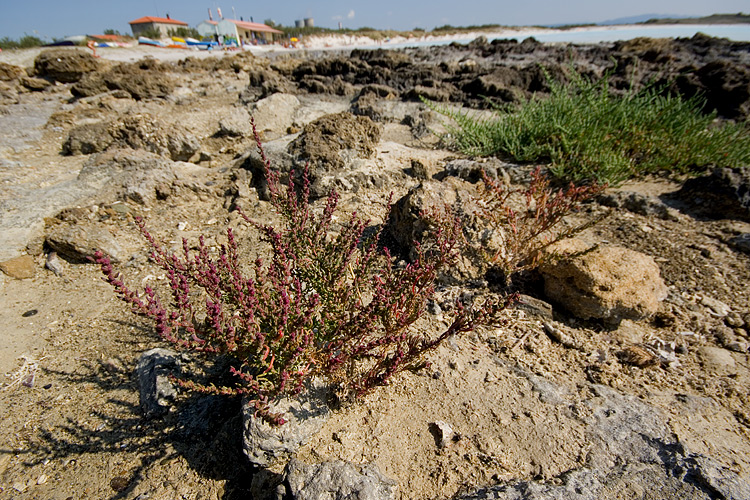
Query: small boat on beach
[
  {"x": 192, "y": 42},
  {"x": 142, "y": 40}
]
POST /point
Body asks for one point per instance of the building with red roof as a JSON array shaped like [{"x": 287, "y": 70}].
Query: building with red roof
[{"x": 162, "y": 24}]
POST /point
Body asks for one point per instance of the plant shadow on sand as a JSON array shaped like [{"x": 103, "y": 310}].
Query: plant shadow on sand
[{"x": 203, "y": 430}]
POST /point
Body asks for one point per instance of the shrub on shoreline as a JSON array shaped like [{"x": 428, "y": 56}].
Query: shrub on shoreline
[{"x": 329, "y": 303}]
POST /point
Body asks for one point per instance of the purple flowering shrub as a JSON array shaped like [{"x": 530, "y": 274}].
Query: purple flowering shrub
[{"x": 329, "y": 302}]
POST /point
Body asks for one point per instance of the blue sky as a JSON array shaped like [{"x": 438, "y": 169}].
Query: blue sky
[{"x": 50, "y": 19}]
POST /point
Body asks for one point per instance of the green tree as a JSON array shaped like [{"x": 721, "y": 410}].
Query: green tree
[{"x": 183, "y": 32}]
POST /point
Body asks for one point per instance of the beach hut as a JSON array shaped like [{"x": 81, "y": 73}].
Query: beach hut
[
  {"x": 163, "y": 24},
  {"x": 243, "y": 31}
]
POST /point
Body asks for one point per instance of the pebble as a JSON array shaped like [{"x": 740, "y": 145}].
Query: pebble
[
  {"x": 717, "y": 360},
  {"x": 718, "y": 307},
  {"x": 119, "y": 483},
  {"x": 734, "y": 320},
  {"x": 737, "y": 346},
  {"x": 20, "y": 268},
  {"x": 559, "y": 336},
  {"x": 444, "y": 433},
  {"x": 54, "y": 264}
]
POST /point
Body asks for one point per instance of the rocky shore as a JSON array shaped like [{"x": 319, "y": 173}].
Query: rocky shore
[{"x": 623, "y": 372}]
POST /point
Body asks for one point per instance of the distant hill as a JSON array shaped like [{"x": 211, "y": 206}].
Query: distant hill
[
  {"x": 739, "y": 18},
  {"x": 637, "y": 19}
]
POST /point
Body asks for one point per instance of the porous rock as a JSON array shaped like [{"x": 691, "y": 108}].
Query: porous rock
[
  {"x": 35, "y": 84},
  {"x": 152, "y": 373},
  {"x": 274, "y": 115},
  {"x": 338, "y": 480},
  {"x": 724, "y": 193},
  {"x": 717, "y": 360},
  {"x": 632, "y": 454},
  {"x": 20, "y": 268},
  {"x": 331, "y": 142},
  {"x": 471, "y": 171},
  {"x": 79, "y": 243},
  {"x": 140, "y": 131},
  {"x": 64, "y": 65},
  {"x": 139, "y": 82},
  {"x": 535, "y": 307},
  {"x": 263, "y": 83},
  {"x": 726, "y": 87},
  {"x": 236, "y": 123},
  {"x": 408, "y": 222},
  {"x": 277, "y": 155},
  {"x": 87, "y": 139},
  {"x": 647, "y": 205},
  {"x": 9, "y": 72},
  {"x": 305, "y": 413},
  {"x": 126, "y": 174},
  {"x": 144, "y": 131},
  {"x": 608, "y": 283},
  {"x": 741, "y": 242}
]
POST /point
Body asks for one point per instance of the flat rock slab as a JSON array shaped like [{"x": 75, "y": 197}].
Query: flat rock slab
[
  {"x": 22, "y": 267},
  {"x": 633, "y": 455},
  {"x": 338, "y": 480}
]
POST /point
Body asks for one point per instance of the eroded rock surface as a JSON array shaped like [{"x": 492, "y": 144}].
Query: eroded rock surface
[{"x": 609, "y": 283}]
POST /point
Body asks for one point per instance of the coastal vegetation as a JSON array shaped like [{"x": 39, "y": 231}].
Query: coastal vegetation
[
  {"x": 738, "y": 18},
  {"x": 25, "y": 42},
  {"x": 587, "y": 133},
  {"x": 327, "y": 303}
]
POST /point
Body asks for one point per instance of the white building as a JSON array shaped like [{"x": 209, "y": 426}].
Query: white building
[{"x": 242, "y": 31}]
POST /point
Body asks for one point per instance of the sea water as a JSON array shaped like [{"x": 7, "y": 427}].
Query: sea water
[{"x": 596, "y": 34}]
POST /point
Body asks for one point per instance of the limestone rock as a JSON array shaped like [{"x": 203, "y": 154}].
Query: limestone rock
[
  {"x": 138, "y": 81},
  {"x": 88, "y": 139},
  {"x": 9, "y": 72},
  {"x": 79, "y": 243},
  {"x": 632, "y": 454},
  {"x": 717, "y": 360},
  {"x": 741, "y": 242},
  {"x": 281, "y": 160},
  {"x": 35, "y": 84},
  {"x": 152, "y": 373},
  {"x": 236, "y": 124},
  {"x": 723, "y": 193},
  {"x": 338, "y": 481},
  {"x": 638, "y": 203},
  {"x": 609, "y": 283},
  {"x": 20, "y": 268},
  {"x": 143, "y": 131},
  {"x": 64, "y": 65},
  {"x": 326, "y": 141},
  {"x": 535, "y": 307},
  {"x": 125, "y": 174},
  {"x": 305, "y": 414},
  {"x": 275, "y": 114},
  {"x": 407, "y": 223}
]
